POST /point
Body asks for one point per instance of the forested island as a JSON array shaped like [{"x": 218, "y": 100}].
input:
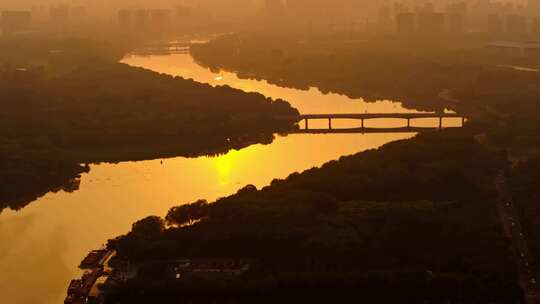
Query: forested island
[{"x": 69, "y": 103}]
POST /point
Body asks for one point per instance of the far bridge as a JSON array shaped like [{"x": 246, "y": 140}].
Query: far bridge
[
  {"x": 407, "y": 117},
  {"x": 164, "y": 48}
]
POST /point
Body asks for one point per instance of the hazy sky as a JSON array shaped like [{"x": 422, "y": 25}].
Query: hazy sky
[
  {"x": 26, "y": 3},
  {"x": 215, "y": 7}
]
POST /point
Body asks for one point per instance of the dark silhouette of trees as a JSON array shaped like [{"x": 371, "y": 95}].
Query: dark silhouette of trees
[
  {"x": 404, "y": 218},
  {"x": 149, "y": 227},
  {"x": 187, "y": 214}
]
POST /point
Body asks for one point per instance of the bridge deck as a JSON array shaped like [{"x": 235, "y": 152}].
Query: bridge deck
[
  {"x": 366, "y": 130},
  {"x": 376, "y": 115}
]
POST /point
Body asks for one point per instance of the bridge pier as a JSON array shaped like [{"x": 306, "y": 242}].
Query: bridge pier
[
  {"x": 440, "y": 122},
  {"x": 330, "y": 123},
  {"x": 408, "y": 122},
  {"x": 307, "y": 124},
  {"x": 362, "y": 123}
]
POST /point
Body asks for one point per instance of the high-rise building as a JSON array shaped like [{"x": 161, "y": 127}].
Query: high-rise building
[
  {"x": 405, "y": 23},
  {"x": 77, "y": 12},
  {"x": 457, "y": 17},
  {"x": 274, "y": 5},
  {"x": 457, "y": 8},
  {"x": 428, "y": 8},
  {"x": 536, "y": 26},
  {"x": 456, "y": 23},
  {"x": 495, "y": 24},
  {"x": 39, "y": 13},
  {"x": 516, "y": 24},
  {"x": 59, "y": 14},
  {"x": 430, "y": 23},
  {"x": 400, "y": 8},
  {"x": 183, "y": 12},
  {"x": 533, "y": 8},
  {"x": 14, "y": 21},
  {"x": 140, "y": 18},
  {"x": 160, "y": 17},
  {"x": 125, "y": 18}
]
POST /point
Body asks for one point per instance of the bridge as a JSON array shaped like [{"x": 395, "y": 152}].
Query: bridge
[
  {"x": 164, "y": 48},
  {"x": 407, "y": 117}
]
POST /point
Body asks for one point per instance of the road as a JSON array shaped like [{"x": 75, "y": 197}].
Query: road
[{"x": 513, "y": 230}]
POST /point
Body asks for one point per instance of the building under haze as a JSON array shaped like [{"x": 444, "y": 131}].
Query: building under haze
[
  {"x": 405, "y": 23},
  {"x": 15, "y": 21},
  {"x": 431, "y": 23},
  {"x": 516, "y": 24},
  {"x": 495, "y": 24},
  {"x": 141, "y": 18},
  {"x": 533, "y": 8},
  {"x": 535, "y": 28},
  {"x": 160, "y": 18},
  {"x": 59, "y": 14},
  {"x": 456, "y": 17},
  {"x": 125, "y": 18}
]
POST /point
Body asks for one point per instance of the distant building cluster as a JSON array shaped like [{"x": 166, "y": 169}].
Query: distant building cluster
[
  {"x": 15, "y": 21},
  {"x": 144, "y": 18},
  {"x": 39, "y": 17},
  {"x": 405, "y": 17},
  {"x": 402, "y": 17},
  {"x": 428, "y": 21},
  {"x": 482, "y": 16}
]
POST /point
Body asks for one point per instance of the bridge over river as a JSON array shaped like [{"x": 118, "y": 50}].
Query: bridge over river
[
  {"x": 164, "y": 48},
  {"x": 407, "y": 117}
]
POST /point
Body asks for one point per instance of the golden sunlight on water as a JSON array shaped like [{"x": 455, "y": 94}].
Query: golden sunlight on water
[{"x": 43, "y": 243}]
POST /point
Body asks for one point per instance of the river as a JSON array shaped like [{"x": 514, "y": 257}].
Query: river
[{"x": 41, "y": 245}]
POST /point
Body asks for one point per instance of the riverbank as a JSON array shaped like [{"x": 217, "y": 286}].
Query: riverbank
[{"x": 402, "y": 228}]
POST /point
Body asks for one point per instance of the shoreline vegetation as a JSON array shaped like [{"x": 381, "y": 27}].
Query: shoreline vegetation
[
  {"x": 414, "y": 221},
  {"x": 382, "y": 220},
  {"x": 71, "y": 103}
]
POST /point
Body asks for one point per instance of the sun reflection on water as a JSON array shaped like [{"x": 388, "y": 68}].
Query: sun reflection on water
[{"x": 224, "y": 166}]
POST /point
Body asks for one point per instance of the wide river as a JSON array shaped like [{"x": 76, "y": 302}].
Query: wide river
[{"x": 42, "y": 244}]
